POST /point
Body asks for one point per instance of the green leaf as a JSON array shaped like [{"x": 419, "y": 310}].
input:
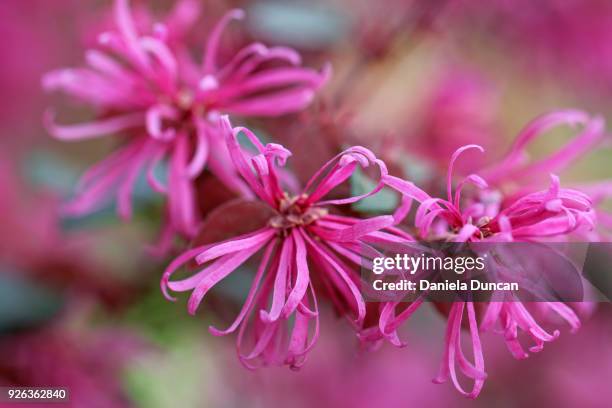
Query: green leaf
[
  {"x": 385, "y": 201},
  {"x": 303, "y": 24},
  {"x": 183, "y": 372},
  {"x": 24, "y": 303}
]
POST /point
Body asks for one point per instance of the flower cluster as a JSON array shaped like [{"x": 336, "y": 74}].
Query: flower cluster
[
  {"x": 310, "y": 241},
  {"x": 498, "y": 212}
]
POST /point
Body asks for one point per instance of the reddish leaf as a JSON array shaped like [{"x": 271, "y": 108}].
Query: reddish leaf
[{"x": 232, "y": 219}]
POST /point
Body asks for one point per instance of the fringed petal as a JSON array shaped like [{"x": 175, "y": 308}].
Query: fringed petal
[
  {"x": 343, "y": 272},
  {"x": 209, "y": 64},
  {"x": 282, "y": 276},
  {"x": 246, "y": 307},
  {"x": 455, "y": 156},
  {"x": 355, "y": 231},
  {"x": 92, "y": 130},
  {"x": 216, "y": 272},
  {"x": 453, "y": 352},
  {"x": 235, "y": 244},
  {"x": 302, "y": 276},
  {"x": 127, "y": 28},
  {"x": 515, "y": 165}
]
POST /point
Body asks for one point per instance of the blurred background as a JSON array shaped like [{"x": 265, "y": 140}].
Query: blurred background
[{"x": 80, "y": 304}]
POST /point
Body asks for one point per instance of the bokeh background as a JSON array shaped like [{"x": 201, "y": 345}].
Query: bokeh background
[{"x": 80, "y": 304}]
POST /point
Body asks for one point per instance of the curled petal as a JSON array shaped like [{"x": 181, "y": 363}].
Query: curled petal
[
  {"x": 212, "y": 45},
  {"x": 514, "y": 165},
  {"x": 240, "y": 57},
  {"x": 251, "y": 57},
  {"x": 176, "y": 264},
  {"x": 339, "y": 169},
  {"x": 260, "y": 175},
  {"x": 472, "y": 178},
  {"x": 453, "y": 351},
  {"x": 219, "y": 161},
  {"x": 164, "y": 56},
  {"x": 456, "y": 154},
  {"x": 155, "y": 116},
  {"x": 127, "y": 28},
  {"x": 198, "y": 162}
]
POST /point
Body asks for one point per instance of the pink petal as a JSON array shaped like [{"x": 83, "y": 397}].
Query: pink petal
[
  {"x": 302, "y": 279},
  {"x": 127, "y": 28},
  {"x": 276, "y": 104},
  {"x": 236, "y": 244},
  {"x": 93, "y": 129},
  {"x": 355, "y": 231},
  {"x": 246, "y": 307},
  {"x": 455, "y": 156},
  {"x": 216, "y": 273},
  {"x": 209, "y": 64},
  {"x": 283, "y": 274}
]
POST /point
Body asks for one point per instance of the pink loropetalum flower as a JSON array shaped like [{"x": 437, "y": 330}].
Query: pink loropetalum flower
[
  {"x": 519, "y": 174},
  {"x": 461, "y": 109},
  {"x": 541, "y": 42},
  {"x": 145, "y": 85},
  {"x": 302, "y": 243},
  {"x": 33, "y": 243},
  {"x": 550, "y": 214},
  {"x": 88, "y": 361}
]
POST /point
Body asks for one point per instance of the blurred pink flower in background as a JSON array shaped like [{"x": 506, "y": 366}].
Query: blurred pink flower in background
[
  {"x": 564, "y": 39},
  {"x": 32, "y": 242},
  {"x": 338, "y": 375},
  {"x": 461, "y": 109},
  {"x": 144, "y": 85},
  {"x": 460, "y": 106},
  {"x": 579, "y": 377},
  {"x": 37, "y": 36},
  {"x": 87, "y": 363}
]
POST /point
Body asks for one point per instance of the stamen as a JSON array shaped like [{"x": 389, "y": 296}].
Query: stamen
[
  {"x": 185, "y": 99},
  {"x": 293, "y": 212}
]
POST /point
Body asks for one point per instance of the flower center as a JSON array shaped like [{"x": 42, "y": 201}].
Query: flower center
[
  {"x": 294, "y": 212},
  {"x": 483, "y": 225},
  {"x": 185, "y": 99},
  {"x": 185, "y": 110}
]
